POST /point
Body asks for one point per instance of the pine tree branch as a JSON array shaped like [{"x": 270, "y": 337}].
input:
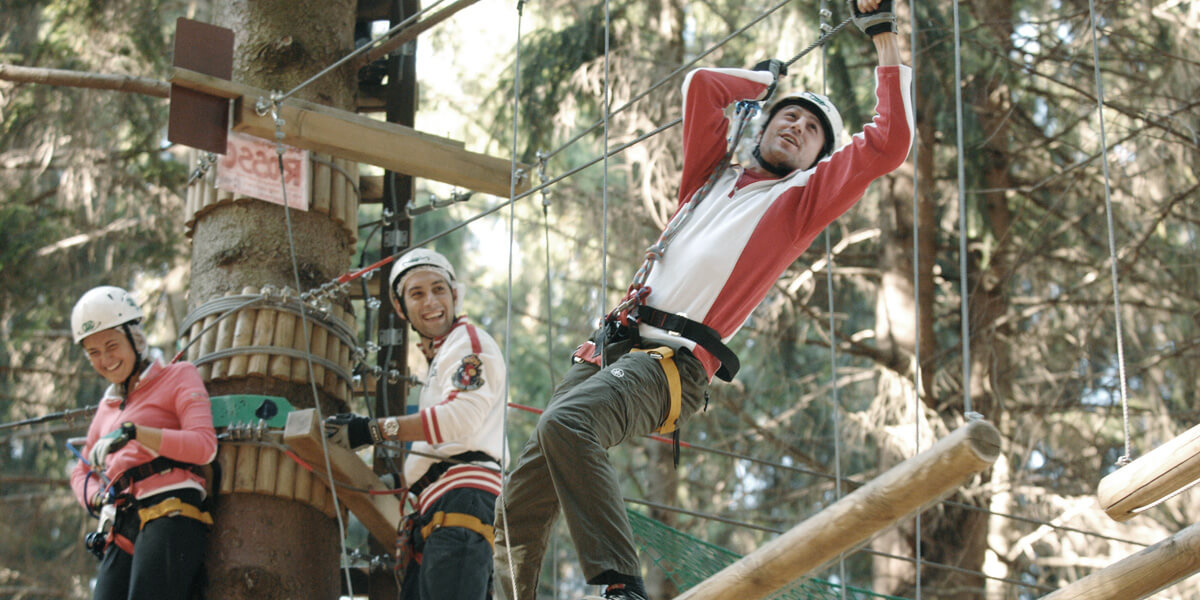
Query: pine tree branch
[
  {"x": 83, "y": 238},
  {"x": 84, "y": 79}
]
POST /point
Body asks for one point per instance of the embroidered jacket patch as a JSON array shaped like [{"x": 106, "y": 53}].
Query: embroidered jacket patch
[{"x": 469, "y": 375}]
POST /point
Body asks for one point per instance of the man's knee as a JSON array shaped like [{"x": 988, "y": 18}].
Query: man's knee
[{"x": 561, "y": 427}]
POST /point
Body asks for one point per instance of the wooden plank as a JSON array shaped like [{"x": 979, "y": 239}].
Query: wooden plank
[
  {"x": 361, "y": 139},
  {"x": 379, "y": 513},
  {"x": 1158, "y": 475},
  {"x": 1141, "y": 574},
  {"x": 880, "y": 503}
]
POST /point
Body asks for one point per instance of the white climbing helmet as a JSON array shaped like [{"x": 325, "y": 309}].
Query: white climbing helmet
[
  {"x": 820, "y": 105},
  {"x": 419, "y": 257},
  {"x": 102, "y": 308}
]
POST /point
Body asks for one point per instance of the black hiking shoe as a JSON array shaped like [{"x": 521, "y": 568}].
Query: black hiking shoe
[{"x": 623, "y": 591}]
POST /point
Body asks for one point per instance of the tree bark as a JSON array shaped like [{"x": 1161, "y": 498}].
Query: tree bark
[{"x": 262, "y": 546}]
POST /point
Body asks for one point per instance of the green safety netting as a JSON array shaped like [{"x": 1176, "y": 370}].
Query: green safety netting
[{"x": 687, "y": 561}]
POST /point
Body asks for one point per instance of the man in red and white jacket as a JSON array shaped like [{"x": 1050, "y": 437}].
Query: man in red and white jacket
[
  {"x": 729, "y": 242},
  {"x": 457, "y": 436}
]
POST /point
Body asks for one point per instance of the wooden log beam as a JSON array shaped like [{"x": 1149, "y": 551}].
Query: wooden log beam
[
  {"x": 85, "y": 79},
  {"x": 1141, "y": 574},
  {"x": 379, "y": 513},
  {"x": 855, "y": 518},
  {"x": 1156, "y": 476},
  {"x": 410, "y": 33},
  {"x": 361, "y": 139}
]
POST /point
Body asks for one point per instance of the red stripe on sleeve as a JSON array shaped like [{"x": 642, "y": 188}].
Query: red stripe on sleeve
[
  {"x": 429, "y": 426},
  {"x": 476, "y": 347}
]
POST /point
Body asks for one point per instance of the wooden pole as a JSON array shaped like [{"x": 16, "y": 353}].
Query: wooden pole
[
  {"x": 1142, "y": 574},
  {"x": 1156, "y": 476},
  {"x": 855, "y": 518},
  {"x": 84, "y": 79}
]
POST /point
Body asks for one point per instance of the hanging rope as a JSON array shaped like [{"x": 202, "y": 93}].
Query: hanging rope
[
  {"x": 604, "y": 187},
  {"x": 549, "y": 289},
  {"x": 825, "y": 14},
  {"x": 512, "y": 190},
  {"x": 964, "y": 287},
  {"x": 918, "y": 383},
  {"x": 287, "y": 214},
  {"x": 1112, "y": 241}
]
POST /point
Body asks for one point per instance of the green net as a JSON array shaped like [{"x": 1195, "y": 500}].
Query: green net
[{"x": 687, "y": 561}]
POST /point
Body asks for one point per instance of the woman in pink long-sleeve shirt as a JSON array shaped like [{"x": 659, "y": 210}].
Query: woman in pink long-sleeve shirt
[{"x": 152, "y": 430}]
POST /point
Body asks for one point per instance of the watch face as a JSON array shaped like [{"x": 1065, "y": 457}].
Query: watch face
[{"x": 391, "y": 427}]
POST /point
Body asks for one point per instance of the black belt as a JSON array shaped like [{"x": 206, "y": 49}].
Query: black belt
[
  {"x": 439, "y": 468},
  {"x": 161, "y": 464},
  {"x": 706, "y": 337}
]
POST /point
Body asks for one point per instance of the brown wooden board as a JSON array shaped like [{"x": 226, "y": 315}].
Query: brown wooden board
[
  {"x": 379, "y": 513},
  {"x": 195, "y": 118}
]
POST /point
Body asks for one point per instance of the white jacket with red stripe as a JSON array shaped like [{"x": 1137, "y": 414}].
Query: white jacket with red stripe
[
  {"x": 462, "y": 410},
  {"x": 749, "y": 229}
]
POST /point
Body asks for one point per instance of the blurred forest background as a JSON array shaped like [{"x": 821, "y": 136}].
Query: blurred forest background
[{"x": 91, "y": 193}]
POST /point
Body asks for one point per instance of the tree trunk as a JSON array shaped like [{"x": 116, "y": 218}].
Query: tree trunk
[{"x": 262, "y": 546}]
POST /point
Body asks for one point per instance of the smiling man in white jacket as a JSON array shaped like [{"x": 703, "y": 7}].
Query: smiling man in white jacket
[{"x": 457, "y": 436}]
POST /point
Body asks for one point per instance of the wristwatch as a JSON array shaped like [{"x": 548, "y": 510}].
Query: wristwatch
[{"x": 391, "y": 428}]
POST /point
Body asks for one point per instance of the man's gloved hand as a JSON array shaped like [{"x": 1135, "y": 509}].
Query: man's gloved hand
[
  {"x": 350, "y": 430},
  {"x": 874, "y": 22},
  {"x": 109, "y": 443},
  {"x": 777, "y": 68}
]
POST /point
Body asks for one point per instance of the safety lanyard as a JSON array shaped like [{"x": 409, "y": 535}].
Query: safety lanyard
[{"x": 746, "y": 110}]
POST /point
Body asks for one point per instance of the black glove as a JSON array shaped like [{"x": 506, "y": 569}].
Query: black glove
[
  {"x": 777, "y": 68},
  {"x": 880, "y": 20},
  {"x": 349, "y": 430}
]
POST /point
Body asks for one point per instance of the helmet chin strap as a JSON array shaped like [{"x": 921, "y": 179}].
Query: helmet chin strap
[
  {"x": 138, "y": 361},
  {"x": 769, "y": 166}
]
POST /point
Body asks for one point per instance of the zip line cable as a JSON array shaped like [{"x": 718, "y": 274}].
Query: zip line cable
[
  {"x": 673, "y": 74},
  {"x": 1112, "y": 241},
  {"x": 379, "y": 41}
]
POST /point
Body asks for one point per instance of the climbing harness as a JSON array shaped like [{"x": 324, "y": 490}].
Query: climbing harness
[
  {"x": 452, "y": 519},
  {"x": 124, "y": 518},
  {"x": 172, "y": 507},
  {"x": 158, "y": 465},
  {"x": 621, "y": 324},
  {"x": 439, "y": 468},
  {"x": 665, "y": 356}
]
